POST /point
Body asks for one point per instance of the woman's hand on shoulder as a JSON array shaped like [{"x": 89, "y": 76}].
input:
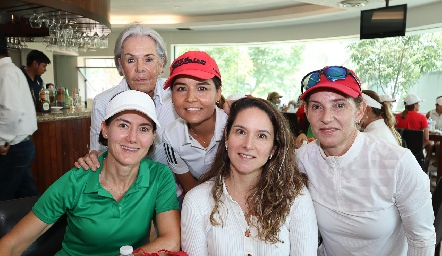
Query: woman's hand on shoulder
[
  {"x": 300, "y": 139},
  {"x": 89, "y": 161}
]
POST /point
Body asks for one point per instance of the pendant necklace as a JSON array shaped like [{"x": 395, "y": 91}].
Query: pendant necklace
[
  {"x": 198, "y": 137},
  {"x": 107, "y": 184}
]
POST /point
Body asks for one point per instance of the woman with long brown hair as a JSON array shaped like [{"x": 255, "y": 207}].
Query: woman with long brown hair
[{"x": 254, "y": 199}]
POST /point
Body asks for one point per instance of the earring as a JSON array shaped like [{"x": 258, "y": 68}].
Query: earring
[
  {"x": 217, "y": 102},
  {"x": 270, "y": 157},
  {"x": 226, "y": 147},
  {"x": 105, "y": 136}
]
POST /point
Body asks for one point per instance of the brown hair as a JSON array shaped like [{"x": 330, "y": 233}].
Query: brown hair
[
  {"x": 386, "y": 114},
  {"x": 280, "y": 181}
]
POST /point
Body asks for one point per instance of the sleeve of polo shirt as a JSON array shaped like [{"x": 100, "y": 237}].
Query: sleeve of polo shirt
[
  {"x": 413, "y": 200},
  {"x": 174, "y": 160},
  {"x": 166, "y": 198},
  {"x": 60, "y": 196}
]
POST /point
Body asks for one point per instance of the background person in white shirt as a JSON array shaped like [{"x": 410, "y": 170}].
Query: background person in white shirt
[
  {"x": 192, "y": 140},
  {"x": 436, "y": 115},
  {"x": 378, "y": 119},
  {"x": 370, "y": 197},
  {"x": 253, "y": 200},
  {"x": 18, "y": 121}
]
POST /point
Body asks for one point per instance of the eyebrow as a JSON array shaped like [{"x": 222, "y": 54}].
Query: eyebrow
[
  {"x": 127, "y": 121},
  {"x": 145, "y": 55},
  {"x": 240, "y": 126}
]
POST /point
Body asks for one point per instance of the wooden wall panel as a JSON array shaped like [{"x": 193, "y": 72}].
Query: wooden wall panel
[{"x": 58, "y": 144}]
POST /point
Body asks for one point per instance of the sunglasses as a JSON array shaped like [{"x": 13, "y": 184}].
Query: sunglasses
[{"x": 332, "y": 73}]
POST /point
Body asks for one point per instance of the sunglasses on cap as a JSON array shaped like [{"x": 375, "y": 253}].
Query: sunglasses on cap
[{"x": 332, "y": 73}]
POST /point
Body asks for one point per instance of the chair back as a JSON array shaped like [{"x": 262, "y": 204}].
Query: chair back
[
  {"x": 414, "y": 141},
  {"x": 12, "y": 211}
]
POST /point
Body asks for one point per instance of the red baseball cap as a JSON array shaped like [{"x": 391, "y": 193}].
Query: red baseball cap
[
  {"x": 348, "y": 86},
  {"x": 193, "y": 63}
]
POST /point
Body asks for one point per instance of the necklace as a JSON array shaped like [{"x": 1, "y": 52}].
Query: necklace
[
  {"x": 198, "y": 137},
  {"x": 107, "y": 184}
]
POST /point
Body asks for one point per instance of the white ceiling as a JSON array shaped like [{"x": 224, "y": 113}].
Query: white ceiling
[{"x": 241, "y": 14}]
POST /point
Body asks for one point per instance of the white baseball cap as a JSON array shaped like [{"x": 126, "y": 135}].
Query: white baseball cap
[
  {"x": 386, "y": 98},
  {"x": 132, "y": 100},
  {"x": 412, "y": 99},
  {"x": 236, "y": 96},
  {"x": 371, "y": 102},
  {"x": 439, "y": 101}
]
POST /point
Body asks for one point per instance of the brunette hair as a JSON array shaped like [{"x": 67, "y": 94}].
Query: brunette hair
[
  {"x": 407, "y": 108},
  {"x": 280, "y": 181},
  {"x": 386, "y": 114}
]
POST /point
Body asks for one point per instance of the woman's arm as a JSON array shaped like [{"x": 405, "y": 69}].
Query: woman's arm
[
  {"x": 187, "y": 181},
  {"x": 413, "y": 201},
  {"x": 303, "y": 226},
  {"x": 168, "y": 225},
  {"x": 27, "y": 230}
]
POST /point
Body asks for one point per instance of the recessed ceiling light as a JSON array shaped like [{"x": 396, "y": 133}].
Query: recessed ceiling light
[{"x": 353, "y": 3}]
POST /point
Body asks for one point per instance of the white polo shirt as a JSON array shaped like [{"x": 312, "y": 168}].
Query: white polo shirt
[{"x": 184, "y": 153}]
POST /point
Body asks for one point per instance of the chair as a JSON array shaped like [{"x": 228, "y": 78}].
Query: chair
[
  {"x": 414, "y": 141},
  {"x": 12, "y": 211}
]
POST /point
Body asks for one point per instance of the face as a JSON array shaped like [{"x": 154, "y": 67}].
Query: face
[
  {"x": 250, "y": 142},
  {"x": 130, "y": 135},
  {"x": 40, "y": 68},
  {"x": 333, "y": 118},
  {"x": 438, "y": 108},
  {"x": 417, "y": 106},
  {"x": 140, "y": 63},
  {"x": 194, "y": 99},
  {"x": 277, "y": 100}
]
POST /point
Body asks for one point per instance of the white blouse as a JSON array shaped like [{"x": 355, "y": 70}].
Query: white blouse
[
  {"x": 373, "y": 200},
  {"x": 299, "y": 233}
]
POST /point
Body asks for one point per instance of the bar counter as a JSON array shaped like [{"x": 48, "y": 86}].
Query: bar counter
[{"x": 61, "y": 138}]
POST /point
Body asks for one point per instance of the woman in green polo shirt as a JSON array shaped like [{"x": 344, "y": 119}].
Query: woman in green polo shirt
[{"x": 115, "y": 205}]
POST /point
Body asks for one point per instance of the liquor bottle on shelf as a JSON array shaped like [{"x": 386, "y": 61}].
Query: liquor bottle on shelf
[
  {"x": 43, "y": 105},
  {"x": 61, "y": 96},
  {"x": 67, "y": 102}
]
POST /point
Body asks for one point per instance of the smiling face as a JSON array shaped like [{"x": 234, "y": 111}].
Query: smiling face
[
  {"x": 130, "y": 134},
  {"x": 333, "y": 118},
  {"x": 194, "y": 99},
  {"x": 140, "y": 63},
  {"x": 250, "y": 141}
]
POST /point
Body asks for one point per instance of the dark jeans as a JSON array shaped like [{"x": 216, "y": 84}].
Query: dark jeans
[{"x": 15, "y": 175}]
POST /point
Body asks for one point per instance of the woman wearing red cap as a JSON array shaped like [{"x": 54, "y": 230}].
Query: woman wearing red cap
[
  {"x": 191, "y": 141},
  {"x": 370, "y": 197}
]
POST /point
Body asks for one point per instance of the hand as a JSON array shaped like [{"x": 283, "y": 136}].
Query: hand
[
  {"x": 4, "y": 149},
  {"x": 89, "y": 161},
  {"x": 301, "y": 137}
]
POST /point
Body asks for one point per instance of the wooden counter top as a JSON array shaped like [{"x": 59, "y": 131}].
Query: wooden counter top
[{"x": 64, "y": 114}]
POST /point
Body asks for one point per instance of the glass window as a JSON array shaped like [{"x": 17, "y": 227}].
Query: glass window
[{"x": 99, "y": 75}]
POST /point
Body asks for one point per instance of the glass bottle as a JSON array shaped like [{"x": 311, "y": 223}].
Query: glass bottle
[{"x": 67, "y": 103}]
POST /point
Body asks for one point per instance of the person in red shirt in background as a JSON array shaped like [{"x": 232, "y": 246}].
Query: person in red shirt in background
[{"x": 411, "y": 119}]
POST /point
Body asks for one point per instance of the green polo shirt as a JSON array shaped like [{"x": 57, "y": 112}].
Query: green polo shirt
[{"x": 97, "y": 224}]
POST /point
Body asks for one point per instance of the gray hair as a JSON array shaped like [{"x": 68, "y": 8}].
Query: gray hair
[{"x": 137, "y": 29}]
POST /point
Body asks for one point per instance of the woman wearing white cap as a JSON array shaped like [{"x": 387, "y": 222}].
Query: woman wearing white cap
[
  {"x": 115, "y": 205},
  {"x": 411, "y": 119},
  {"x": 378, "y": 119},
  {"x": 191, "y": 141}
]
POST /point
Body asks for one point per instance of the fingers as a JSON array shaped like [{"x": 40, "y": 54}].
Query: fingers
[{"x": 89, "y": 161}]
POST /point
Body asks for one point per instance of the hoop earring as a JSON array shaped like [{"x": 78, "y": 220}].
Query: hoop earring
[{"x": 270, "y": 157}]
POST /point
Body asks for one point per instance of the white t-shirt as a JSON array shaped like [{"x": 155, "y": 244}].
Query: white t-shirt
[
  {"x": 299, "y": 233},
  {"x": 368, "y": 199},
  {"x": 18, "y": 119},
  {"x": 379, "y": 129},
  {"x": 184, "y": 153},
  {"x": 436, "y": 118}
]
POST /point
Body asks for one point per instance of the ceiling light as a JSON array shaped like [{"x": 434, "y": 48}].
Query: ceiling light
[{"x": 352, "y": 3}]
